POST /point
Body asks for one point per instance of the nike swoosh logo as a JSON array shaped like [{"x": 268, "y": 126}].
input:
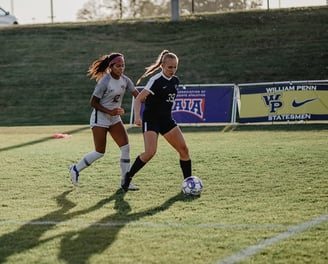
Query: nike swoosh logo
[{"x": 298, "y": 104}]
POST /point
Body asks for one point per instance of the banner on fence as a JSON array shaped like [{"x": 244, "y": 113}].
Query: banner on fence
[
  {"x": 283, "y": 102},
  {"x": 203, "y": 104}
]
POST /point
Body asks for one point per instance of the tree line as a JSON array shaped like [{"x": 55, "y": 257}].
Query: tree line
[{"x": 120, "y": 9}]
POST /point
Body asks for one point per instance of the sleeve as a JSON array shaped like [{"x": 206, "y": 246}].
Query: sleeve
[
  {"x": 129, "y": 84},
  {"x": 149, "y": 85},
  {"x": 101, "y": 86}
]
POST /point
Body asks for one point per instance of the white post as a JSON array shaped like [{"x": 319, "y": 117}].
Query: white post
[
  {"x": 132, "y": 111},
  {"x": 52, "y": 11},
  {"x": 234, "y": 104}
]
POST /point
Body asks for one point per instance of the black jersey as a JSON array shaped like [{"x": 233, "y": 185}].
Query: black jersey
[{"x": 163, "y": 92}]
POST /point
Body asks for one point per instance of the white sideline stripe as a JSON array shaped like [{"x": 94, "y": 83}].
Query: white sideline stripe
[
  {"x": 148, "y": 224},
  {"x": 252, "y": 250}
]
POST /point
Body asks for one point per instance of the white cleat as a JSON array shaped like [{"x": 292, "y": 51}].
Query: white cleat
[
  {"x": 133, "y": 187},
  {"x": 74, "y": 174}
]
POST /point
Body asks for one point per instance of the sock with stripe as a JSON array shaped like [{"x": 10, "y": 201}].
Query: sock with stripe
[
  {"x": 124, "y": 160},
  {"x": 88, "y": 159}
]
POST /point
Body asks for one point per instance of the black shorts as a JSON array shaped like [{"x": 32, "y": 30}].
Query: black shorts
[{"x": 159, "y": 126}]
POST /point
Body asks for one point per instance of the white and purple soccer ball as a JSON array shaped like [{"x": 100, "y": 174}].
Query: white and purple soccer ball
[{"x": 192, "y": 186}]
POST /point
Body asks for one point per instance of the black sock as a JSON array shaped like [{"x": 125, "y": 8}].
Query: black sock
[
  {"x": 186, "y": 168},
  {"x": 136, "y": 166}
]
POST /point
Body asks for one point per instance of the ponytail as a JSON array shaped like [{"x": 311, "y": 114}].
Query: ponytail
[
  {"x": 101, "y": 66},
  {"x": 153, "y": 67}
]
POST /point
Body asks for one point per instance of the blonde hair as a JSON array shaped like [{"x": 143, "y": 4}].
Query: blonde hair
[
  {"x": 101, "y": 66},
  {"x": 163, "y": 56}
]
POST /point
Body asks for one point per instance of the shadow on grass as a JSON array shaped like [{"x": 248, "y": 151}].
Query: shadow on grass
[
  {"x": 78, "y": 246},
  {"x": 41, "y": 140},
  {"x": 29, "y": 235}
]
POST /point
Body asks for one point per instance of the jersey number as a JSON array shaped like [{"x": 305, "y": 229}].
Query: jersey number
[
  {"x": 116, "y": 98},
  {"x": 171, "y": 98}
]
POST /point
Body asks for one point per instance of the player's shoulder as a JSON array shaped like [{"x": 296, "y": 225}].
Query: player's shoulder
[
  {"x": 126, "y": 78},
  {"x": 128, "y": 83},
  {"x": 105, "y": 78},
  {"x": 153, "y": 81},
  {"x": 175, "y": 79},
  {"x": 155, "y": 77}
]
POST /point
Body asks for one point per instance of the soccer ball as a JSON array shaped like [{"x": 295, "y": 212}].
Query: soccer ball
[{"x": 192, "y": 186}]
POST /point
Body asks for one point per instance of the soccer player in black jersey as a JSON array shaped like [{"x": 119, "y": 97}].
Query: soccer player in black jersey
[{"x": 158, "y": 96}]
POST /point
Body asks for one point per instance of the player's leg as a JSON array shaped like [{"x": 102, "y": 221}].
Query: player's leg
[
  {"x": 120, "y": 136},
  {"x": 177, "y": 141},
  {"x": 99, "y": 137},
  {"x": 150, "y": 142}
]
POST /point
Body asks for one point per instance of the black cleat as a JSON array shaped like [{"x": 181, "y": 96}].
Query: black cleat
[{"x": 126, "y": 183}]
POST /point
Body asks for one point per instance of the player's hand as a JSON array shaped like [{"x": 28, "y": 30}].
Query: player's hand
[
  {"x": 117, "y": 111},
  {"x": 138, "y": 122}
]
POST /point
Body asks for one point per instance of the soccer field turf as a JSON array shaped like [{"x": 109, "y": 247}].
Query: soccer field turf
[{"x": 265, "y": 199}]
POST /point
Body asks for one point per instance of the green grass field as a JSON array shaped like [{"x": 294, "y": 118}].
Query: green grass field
[
  {"x": 265, "y": 199},
  {"x": 266, "y": 190}
]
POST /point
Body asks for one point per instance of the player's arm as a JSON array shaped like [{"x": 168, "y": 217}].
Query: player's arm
[
  {"x": 135, "y": 93},
  {"x": 95, "y": 103},
  {"x": 137, "y": 106},
  {"x": 130, "y": 86}
]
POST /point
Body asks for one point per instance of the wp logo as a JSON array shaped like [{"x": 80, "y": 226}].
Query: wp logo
[{"x": 273, "y": 102}]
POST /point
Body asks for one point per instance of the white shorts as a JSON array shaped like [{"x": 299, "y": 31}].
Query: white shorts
[{"x": 101, "y": 119}]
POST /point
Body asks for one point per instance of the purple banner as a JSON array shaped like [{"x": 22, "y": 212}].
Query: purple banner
[{"x": 203, "y": 104}]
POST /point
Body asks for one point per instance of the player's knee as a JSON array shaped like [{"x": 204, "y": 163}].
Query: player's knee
[
  {"x": 184, "y": 152},
  {"x": 148, "y": 155}
]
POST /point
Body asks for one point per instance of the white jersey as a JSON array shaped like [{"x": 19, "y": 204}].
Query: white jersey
[{"x": 110, "y": 92}]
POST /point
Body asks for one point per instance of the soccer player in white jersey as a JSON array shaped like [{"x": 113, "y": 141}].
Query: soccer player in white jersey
[
  {"x": 106, "y": 101},
  {"x": 159, "y": 95}
]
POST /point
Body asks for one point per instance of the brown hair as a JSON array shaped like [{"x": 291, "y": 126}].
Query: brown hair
[
  {"x": 165, "y": 54},
  {"x": 100, "y": 66}
]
